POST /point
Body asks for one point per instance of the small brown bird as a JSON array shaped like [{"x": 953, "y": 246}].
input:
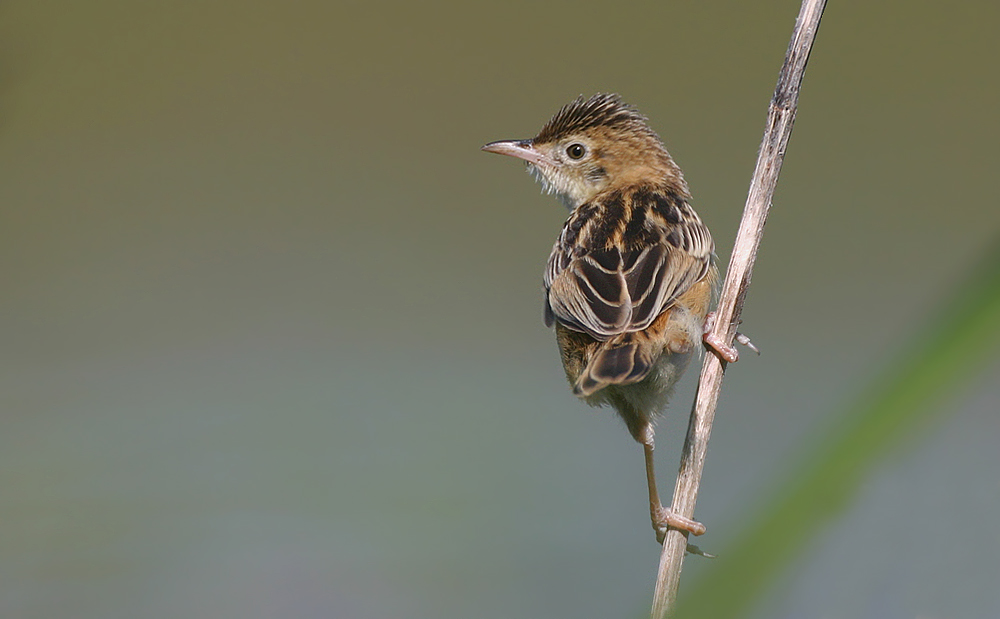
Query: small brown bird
[{"x": 631, "y": 277}]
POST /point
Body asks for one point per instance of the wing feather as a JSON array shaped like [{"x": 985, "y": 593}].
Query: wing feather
[{"x": 602, "y": 284}]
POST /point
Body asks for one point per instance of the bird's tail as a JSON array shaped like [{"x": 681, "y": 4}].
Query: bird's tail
[{"x": 623, "y": 360}]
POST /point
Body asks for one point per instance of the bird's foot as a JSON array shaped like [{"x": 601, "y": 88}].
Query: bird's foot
[
  {"x": 725, "y": 351},
  {"x": 664, "y": 519}
]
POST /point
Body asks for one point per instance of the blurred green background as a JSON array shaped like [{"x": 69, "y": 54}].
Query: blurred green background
[{"x": 271, "y": 335}]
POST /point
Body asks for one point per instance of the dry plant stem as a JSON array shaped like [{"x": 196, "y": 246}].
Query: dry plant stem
[{"x": 780, "y": 117}]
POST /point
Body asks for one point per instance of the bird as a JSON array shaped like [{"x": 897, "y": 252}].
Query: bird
[{"x": 632, "y": 276}]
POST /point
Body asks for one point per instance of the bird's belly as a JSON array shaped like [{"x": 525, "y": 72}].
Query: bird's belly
[{"x": 653, "y": 392}]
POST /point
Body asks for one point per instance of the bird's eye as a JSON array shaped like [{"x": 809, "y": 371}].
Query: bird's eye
[{"x": 575, "y": 151}]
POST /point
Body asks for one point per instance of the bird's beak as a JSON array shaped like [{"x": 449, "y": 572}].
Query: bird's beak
[{"x": 522, "y": 149}]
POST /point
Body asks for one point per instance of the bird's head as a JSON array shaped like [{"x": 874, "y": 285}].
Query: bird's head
[{"x": 592, "y": 145}]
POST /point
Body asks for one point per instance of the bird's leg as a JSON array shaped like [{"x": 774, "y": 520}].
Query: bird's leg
[
  {"x": 727, "y": 352},
  {"x": 662, "y": 517}
]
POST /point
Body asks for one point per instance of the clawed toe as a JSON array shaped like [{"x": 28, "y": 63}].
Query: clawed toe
[
  {"x": 725, "y": 351},
  {"x": 694, "y": 550},
  {"x": 742, "y": 339},
  {"x": 728, "y": 353},
  {"x": 664, "y": 519}
]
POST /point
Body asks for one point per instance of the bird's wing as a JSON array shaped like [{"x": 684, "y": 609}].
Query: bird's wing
[{"x": 606, "y": 277}]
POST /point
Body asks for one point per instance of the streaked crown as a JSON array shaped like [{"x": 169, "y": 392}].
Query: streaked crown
[{"x": 601, "y": 110}]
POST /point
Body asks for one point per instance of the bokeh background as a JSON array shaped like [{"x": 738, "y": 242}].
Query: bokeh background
[{"x": 271, "y": 336}]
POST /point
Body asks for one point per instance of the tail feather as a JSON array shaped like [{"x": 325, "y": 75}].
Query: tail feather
[{"x": 621, "y": 361}]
